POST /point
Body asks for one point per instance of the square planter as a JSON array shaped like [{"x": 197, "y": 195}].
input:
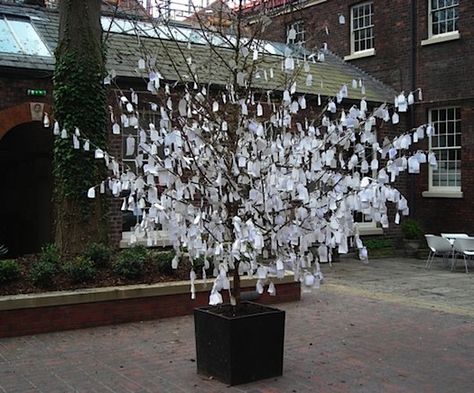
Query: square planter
[{"x": 241, "y": 348}]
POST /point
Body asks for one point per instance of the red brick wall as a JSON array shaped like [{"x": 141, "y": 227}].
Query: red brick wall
[
  {"x": 13, "y": 90},
  {"x": 390, "y": 65},
  {"x": 77, "y": 316}
]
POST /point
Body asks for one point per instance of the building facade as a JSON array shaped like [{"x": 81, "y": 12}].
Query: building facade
[
  {"x": 26, "y": 93},
  {"x": 409, "y": 45}
]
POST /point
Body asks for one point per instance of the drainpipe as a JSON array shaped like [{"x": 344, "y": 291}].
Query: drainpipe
[{"x": 413, "y": 80}]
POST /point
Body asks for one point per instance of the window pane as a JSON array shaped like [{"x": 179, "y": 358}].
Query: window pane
[
  {"x": 441, "y": 129},
  {"x": 451, "y": 140},
  {"x": 7, "y": 42},
  {"x": 442, "y": 114},
  {"x": 442, "y": 141},
  {"x": 28, "y": 37},
  {"x": 442, "y": 28}
]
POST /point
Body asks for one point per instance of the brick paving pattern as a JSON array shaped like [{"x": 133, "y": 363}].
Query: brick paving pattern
[{"x": 343, "y": 338}]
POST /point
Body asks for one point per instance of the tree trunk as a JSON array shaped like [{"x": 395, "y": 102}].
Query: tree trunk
[
  {"x": 80, "y": 101},
  {"x": 236, "y": 287}
]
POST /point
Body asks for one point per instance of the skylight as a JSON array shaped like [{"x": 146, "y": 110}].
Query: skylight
[
  {"x": 188, "y": 34},
  {"x": 18, "y": 36}
]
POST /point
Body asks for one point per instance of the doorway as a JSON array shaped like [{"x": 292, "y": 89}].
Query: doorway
[{"x": 26, "y": 186}]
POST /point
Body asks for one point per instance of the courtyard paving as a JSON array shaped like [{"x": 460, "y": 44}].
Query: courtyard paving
[{"x": 389, "y": 326}]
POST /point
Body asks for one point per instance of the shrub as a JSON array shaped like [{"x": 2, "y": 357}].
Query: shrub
[
  {"x": 163, "y": 262},
  {"x": 50, "y": 254},
  {"x": 9, "y": 271},
  {"x": 44, "y": 270},
  {"x": 98, "y": 253},
  {"x": 42, "y": 273},
  {"x": 131, "y": 262},
  {"x": 80, "y": 269},
  {"x": 412, "y": 230},
  {"x": 377, "y": 244},
  {"x": 198, "y": 264}
]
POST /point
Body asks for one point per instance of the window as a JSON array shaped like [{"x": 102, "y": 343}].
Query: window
[
  {"x": 443, "y": 16},
  {"x": 366, "y": 153},
  {"x": 362, "y": 27},
  {"x": 445, "y": 142},
  {"x": 19, "y": 36},
  {"x": 300, "y": 38},
  {"x": 132, "y": 127}
]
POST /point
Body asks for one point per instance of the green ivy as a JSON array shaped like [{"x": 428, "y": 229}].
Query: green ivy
[{"x": 80, "y": 101}]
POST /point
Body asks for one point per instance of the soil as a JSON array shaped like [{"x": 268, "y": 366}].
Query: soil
[{"x": 105, "y": 277}]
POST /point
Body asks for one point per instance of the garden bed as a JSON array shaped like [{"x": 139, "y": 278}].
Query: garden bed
[
  {"x": 62, "y": 310},
  {"x": 104, "y": 276}
]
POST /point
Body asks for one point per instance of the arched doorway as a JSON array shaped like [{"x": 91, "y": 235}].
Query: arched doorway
[{"x": 26, "y": 180}]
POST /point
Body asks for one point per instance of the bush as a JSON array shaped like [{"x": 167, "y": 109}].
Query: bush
[
  {"x": 198, "y": 264},
  {"x": 44, "y": 270},
  {"x": 42, "y": 273},
  {"x": 98, "y": 253},
  {"x": 80, "y": 269},
  {"x": 412, "y": 230},
  {"x": 9, "y": 271},
  {"x": 163, "y": 262},
  {"x": 50, "y": 254},
  {"x": 131, "y": 262},
  {"x": 378, "y": 244}
]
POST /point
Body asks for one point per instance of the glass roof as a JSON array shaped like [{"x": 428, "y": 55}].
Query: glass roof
[
  {"x": 189, "y": 34},
  {"x": 18, "y": 36}
]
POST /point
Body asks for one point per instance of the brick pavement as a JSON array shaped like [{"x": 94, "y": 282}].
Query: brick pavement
[{"x": 350, "y": 336}]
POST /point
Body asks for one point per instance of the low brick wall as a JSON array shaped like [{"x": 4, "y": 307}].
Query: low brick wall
[{"x": 33, "y": 314}]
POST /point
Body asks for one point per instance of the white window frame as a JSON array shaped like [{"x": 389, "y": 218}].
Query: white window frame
[
  {"x": 443, "y": 189},
  {"x": 299, "y": 26},
  {"x": 430, "y": 21},
  {"x": 368, "y": 51},
  {"x": 370, "y": 227}
]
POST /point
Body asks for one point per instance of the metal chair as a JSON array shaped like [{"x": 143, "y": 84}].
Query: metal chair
[
  {"x": 453, "y": 236},
  {"x": 438, "y": 246},
  {"x": 464, "y": 247}
]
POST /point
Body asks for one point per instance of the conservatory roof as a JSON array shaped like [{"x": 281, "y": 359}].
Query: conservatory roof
[{"x": 124, "y": 52}]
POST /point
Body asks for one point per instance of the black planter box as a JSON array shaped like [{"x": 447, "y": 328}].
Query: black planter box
[{"x": 240, "y": 349}]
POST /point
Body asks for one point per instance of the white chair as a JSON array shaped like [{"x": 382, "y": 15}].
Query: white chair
[
  {"x": 464, "y": 247},
  {"x": 438, "y": 246},
  {"x": 452, "y": 236}
]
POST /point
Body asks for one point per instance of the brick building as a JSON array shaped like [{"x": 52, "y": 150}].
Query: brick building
[
  {"x": 26, "y": 147},
  {"x": 28, "y": 37},
  {"x": 407, "y": 44}
]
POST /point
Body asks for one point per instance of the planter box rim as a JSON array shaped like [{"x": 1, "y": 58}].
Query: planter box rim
[
  {"x": 89, "y": 295},
  {"x": 269, "y": 310}
]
